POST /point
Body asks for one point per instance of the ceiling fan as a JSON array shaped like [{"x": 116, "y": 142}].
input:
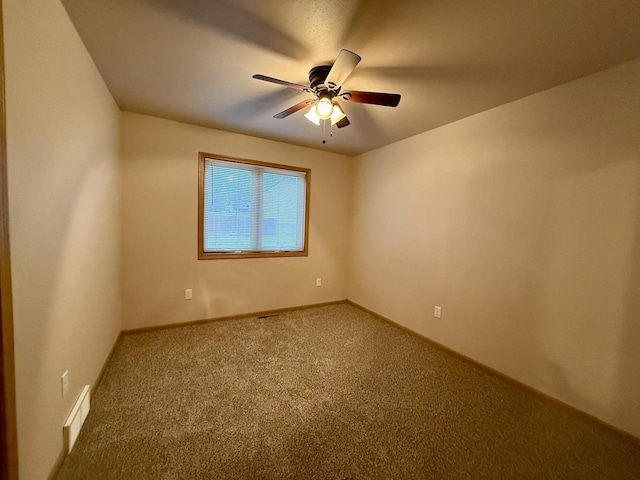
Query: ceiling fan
[{"x": 325, "y": 85}]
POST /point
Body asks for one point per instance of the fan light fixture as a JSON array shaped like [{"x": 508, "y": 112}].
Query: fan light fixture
[{"x": 336, "y": 115}]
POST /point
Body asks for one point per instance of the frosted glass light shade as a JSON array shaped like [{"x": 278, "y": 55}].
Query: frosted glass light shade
[
  {"x": 312, "y": 116},
  {"x": 336, "y": 115}
]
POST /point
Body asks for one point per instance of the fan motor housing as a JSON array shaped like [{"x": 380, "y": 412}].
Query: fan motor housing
[{"x": 317, "y": 75}]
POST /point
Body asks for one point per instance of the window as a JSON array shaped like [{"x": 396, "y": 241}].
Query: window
[{"x": 251, "y": 209}]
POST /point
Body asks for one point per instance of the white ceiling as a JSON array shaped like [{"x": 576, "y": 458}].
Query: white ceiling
[{"x": 192, "y": 60}]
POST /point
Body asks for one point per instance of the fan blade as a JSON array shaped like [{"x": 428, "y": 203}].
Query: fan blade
[
  {"x": 374, "y": 98},
  {"x": 342, "y": 68},
  {"x": 284, "y": 83},
  {"x": 297, "y": 107},
  {"x": 343, "y": 123}
]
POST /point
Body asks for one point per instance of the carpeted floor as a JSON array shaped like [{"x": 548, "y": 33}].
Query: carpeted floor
[{"x": 328, "y": 392}]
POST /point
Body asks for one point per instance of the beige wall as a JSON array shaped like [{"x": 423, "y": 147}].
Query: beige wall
[
  {"x": 159, "y": 229},
  {"x": 63, "y": 141},
  {"x": 523, "y": 223}
]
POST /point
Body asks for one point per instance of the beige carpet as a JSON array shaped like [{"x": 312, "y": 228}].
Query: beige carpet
[{"x": 328, "y": 392}]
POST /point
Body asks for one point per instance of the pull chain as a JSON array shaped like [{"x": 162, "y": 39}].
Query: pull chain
[{"x": 324, "y": 131}]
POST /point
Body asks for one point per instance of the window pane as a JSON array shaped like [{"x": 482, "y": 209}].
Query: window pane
[
  {"x": 228, "y": 203},
  {"x": 282, "y": 211}
]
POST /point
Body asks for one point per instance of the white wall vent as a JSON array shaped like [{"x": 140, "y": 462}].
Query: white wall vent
[{"x": 77, "y": 417}]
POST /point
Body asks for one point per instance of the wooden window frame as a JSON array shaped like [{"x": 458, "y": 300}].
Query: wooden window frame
[
  {"x": 202, "y": 255},
  {"x": 8, "y": 416}
]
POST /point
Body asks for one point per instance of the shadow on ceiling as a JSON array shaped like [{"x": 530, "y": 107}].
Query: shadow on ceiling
[
  {"x": 232, "y": 18},
  {"x": 448, "y": 73},
  {"x": 268, "y": 104}
]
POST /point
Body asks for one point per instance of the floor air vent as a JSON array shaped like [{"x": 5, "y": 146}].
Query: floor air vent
[{"x": 77, "y": 417}]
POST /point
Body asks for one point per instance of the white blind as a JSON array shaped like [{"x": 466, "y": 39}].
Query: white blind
[{"x": 251, "y": 208}]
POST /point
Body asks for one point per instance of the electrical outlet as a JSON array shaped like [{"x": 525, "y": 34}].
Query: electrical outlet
[
  {"x": 437, "y": 311},
  {"x": 188, "y": 294},
  {"x": 64, "y": 379},
  {"x": 318, "y": 282}
]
